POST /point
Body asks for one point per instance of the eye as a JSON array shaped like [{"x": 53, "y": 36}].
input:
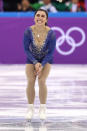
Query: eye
[
  {"x": 43, "y": 16},
  {"x": 38, "y": 15}
]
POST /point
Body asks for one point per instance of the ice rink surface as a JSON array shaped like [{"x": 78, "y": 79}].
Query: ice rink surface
[{"x": 66, "y": 101}]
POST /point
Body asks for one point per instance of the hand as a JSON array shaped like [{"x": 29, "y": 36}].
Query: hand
[
  {"x": 39, "y": 71},
  {"x": 37, "y": 65},
  {"x": 35, "y": 73}
]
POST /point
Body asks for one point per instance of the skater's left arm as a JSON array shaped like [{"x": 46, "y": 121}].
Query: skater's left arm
[{"x": 52, "y": 44}]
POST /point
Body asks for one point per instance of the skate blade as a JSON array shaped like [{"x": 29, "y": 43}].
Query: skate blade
[
  {"x": 28, "y": 121},
  {"x": 43, "y": 122}
]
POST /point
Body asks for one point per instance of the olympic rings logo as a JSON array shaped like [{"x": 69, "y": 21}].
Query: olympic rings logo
[{"x": 69, "y": 39}]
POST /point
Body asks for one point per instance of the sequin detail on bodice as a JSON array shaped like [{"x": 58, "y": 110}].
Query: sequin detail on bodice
[{"x": 38, "y": 51}]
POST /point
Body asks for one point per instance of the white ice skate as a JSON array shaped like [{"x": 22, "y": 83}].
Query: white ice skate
[
  {"x": 42, "y": 112},
  {"x": 30, "y": 112}
]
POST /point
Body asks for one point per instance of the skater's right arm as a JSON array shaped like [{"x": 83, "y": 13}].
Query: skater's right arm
[{"x": 26, "y": 42}]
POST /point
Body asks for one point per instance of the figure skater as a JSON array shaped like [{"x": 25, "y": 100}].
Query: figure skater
[{"x": 39, "y": 45}]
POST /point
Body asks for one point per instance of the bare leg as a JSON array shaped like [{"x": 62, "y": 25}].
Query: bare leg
[
  {"x": 42, "y": 83},
  {"x": 30, "y": 91}
]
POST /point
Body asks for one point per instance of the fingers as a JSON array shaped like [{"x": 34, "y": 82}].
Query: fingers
[
  {"x": 37, "y": 66},
  {"x": 38, "y": 69},
  {"x": 35, "y": 73},
  {"x": 39, "y": 75},
  {"x": 39, "y": 72}
]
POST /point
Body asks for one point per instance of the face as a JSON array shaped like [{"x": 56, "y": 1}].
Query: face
[
  {"x": 25, "y": 3},
  {"x": 46, "y": 2},
  {"x": 40, "y": 18},
  {"x": 75, "y": 1}
]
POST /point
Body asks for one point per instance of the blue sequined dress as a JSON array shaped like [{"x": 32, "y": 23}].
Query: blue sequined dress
[{"x": 34, "y": 54}]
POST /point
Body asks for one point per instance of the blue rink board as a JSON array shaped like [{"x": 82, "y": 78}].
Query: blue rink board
[{"x": 31, "y": 14}]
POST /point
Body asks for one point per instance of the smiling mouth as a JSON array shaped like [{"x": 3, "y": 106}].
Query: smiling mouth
[{"x": 39, "y": 21}]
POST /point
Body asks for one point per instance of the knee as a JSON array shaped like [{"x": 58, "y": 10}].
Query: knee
[
  {"x": 41, "y": 81},
  {"x": 31, "y": 81}
]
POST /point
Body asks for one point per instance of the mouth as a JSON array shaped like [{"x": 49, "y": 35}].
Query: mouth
[{"x": 39, "y": 21}]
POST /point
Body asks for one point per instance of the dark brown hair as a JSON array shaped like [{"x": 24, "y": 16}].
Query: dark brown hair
[{"x": 45, "y": 13}]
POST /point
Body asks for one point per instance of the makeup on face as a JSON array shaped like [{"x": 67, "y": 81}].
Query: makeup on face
[{"x": 40, "y": 17}]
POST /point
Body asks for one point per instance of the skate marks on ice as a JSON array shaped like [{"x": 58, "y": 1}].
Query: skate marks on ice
[
  {"x": 66, "y": 102},
  {"x": 49, "y": 125}
]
